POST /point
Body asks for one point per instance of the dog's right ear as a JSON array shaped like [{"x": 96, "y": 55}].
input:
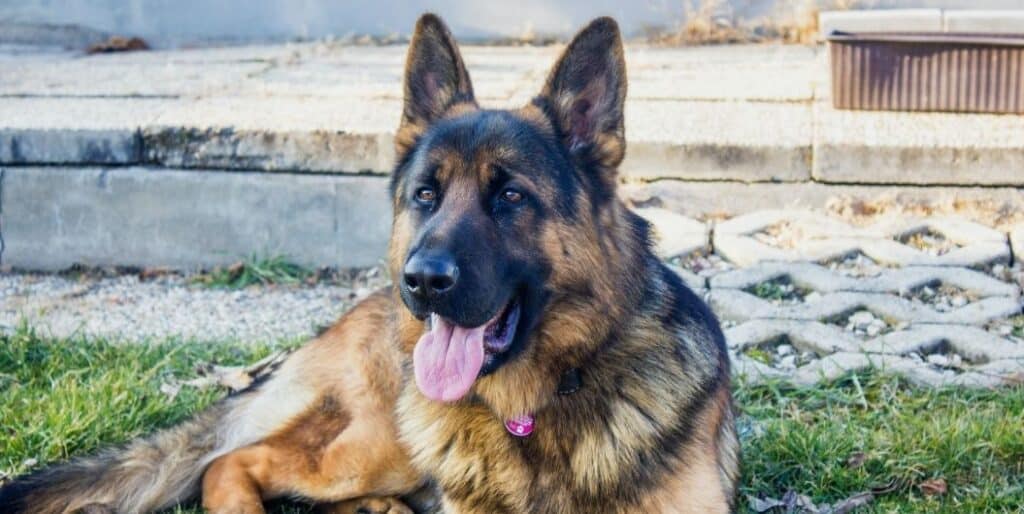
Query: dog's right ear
[{"x": 435, "y": 80}]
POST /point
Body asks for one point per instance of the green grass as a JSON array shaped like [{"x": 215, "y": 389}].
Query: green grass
[
  {"x": 1018, "y": 325},
  {"x": 65, "y": 397},
  {"x": 254, "y": 271}
]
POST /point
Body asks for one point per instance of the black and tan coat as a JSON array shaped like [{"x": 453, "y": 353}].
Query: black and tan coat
[{"x": 622, "y": 369}]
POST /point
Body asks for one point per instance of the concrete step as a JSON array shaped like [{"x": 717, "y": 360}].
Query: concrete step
[{"x": 746, "y": 113}]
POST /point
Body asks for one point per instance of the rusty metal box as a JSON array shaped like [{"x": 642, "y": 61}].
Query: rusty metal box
[{"x": 928, "y": 72}]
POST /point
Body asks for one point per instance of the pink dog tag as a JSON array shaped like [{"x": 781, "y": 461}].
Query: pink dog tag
[{"x": 521, "y": 426}]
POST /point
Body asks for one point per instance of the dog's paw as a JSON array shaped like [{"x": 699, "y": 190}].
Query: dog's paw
[{"x": 368, "y": 505}]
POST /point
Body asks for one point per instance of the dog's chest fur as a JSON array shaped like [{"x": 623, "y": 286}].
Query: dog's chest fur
[{"x": 601, "y": 449}]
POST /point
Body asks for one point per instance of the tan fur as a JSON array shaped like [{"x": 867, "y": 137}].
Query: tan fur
[{"x": 345, "y": 445}]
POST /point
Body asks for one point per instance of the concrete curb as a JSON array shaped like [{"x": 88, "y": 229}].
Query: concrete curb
[{"x": 53, "y": 218}]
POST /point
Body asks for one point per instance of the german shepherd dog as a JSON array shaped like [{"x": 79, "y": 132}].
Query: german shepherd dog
[{"x": 532, "y": 355}]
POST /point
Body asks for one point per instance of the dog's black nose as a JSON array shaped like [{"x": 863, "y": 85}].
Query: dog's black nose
[{"x": 432, "y": 274}]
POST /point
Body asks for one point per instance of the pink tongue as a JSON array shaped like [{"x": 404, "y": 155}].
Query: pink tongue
[{"x": 447, "y": 360}]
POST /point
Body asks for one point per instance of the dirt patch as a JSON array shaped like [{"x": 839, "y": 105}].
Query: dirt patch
[
  {"x": 865, "y": 324},
  {"x": 997, "y": 214},
  {"x": 928, "y": 241},
  {"x": 855, "y": 265},
  {"x": 702, "y": 263},
  {"x": 942, "y": 297},
  {"x": 780, "y": 353},
  {"x": 780, "y": 291}
]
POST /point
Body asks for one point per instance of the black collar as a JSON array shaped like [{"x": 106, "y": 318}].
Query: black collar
[{"x": 570, "y": 382}]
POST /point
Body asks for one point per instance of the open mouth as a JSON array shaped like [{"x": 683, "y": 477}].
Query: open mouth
[
  {"x": 449, "y": 358},
  {"x": 501, "y": 330}
]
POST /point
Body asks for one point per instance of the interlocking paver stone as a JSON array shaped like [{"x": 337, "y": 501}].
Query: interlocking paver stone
[
  {"x": 974, "y": 344},
  {"x": 819, "y": 338},
  {"x": 738, "y": 305},
  {"x": 692, "y": 280},
  {"x": 807, "y": 236},
  {"x": 1017, "y": 243},
  {"x": 1002, "y": 372},
  {"x": 675, "y": 235},
  {"x": 898, "y": 281}
]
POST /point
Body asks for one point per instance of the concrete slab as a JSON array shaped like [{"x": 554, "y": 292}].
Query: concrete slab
[
  {"x": 377, "y": 72},
  {"x": 55, "y": 217},
  {"x": 717, "y": 199},
  {"x": 917, "y": 148},
  {"x": 282, "y": 134},
  {"x": 743, "y": 141},
  {"x": 1006, "y": 21},
  {"x": 74, "y": 130},
  {"x": 786, "y": 73},
  {"x": 123, "y": 75},
  {"x": 884, "y": 20}
]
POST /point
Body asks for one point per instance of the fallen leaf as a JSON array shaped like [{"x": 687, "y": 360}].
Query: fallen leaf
[
  {"x": 934, "y": 487},
  {"x": 849, "y": 504},
  {"x": 856, "y": 460},
  {"x": 118, "y": 44},
  {"x": 764, "y": 504},
  {"x": 151, "y": 273},
  {"x": 170, "y": 389},
  {"x": 236, "y": 378}
]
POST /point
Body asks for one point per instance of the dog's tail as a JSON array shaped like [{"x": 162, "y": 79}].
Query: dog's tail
[
  {"x": 151, "y": 473},
  {"x": 145, "y": 475}
]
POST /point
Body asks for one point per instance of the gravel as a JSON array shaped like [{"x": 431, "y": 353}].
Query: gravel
[{"x": 127, "y": 308}]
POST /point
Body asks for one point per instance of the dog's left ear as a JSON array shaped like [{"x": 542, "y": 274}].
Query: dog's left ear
[
  {"x": 585, "y": 93},
  {"x": 435, "y": 80}
]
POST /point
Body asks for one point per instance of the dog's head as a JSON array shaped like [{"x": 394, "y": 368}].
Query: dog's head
[{"x": 507, "y": 229}]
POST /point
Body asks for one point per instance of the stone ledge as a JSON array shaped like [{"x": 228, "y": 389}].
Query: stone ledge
[
  {"x": 54, "y": 217},
  {"x": 874, "y": 147}
]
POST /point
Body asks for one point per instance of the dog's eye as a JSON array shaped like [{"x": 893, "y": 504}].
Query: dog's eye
[
  {"x": 511, "y": 196},
  {"x": 426, "y": 195}
]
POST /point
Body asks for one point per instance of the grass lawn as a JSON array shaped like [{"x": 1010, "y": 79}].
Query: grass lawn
[{"x": 66, "y": 397}]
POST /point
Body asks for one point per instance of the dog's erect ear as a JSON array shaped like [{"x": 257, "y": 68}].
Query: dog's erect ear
[
  {"x": 585, "y": 94},
  {"x": 435, "y": 80}
]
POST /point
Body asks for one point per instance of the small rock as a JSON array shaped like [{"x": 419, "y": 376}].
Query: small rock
[
  {"x": 874, "y": 329},
  {"x": 784, "y": 349},
  {"x": 958, "y": 301},
  {"x": 788, "y": 362},
  {"x": 813, "y": 296},
  {"x": 938, "y": 360},
  {"x": 1005, "y": 330},
  {"x": 956, "y": 361},
  {"x": 861, "y": 319}
]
